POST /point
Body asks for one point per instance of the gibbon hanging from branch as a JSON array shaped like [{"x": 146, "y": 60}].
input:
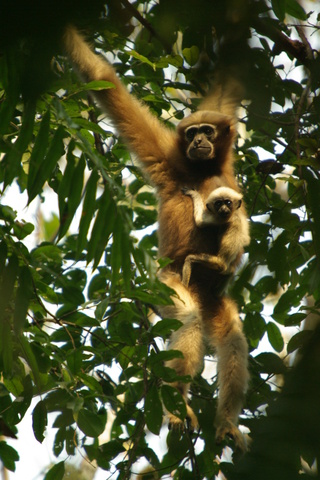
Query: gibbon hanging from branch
[{"x": 198, "y": 154}]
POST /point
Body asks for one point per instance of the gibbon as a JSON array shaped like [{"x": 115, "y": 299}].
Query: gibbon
[
  {"x": 221, "y": 208},
  {"x": 199, "y": 154}
]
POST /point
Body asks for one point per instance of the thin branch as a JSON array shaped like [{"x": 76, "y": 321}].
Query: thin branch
[
  {"x": 282, "y": 43},
  {"x": 136, "y": 14}
]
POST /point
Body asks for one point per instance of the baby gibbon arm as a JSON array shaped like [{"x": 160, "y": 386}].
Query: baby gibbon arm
[
  {"x": 145, "y": 135},
  {"x": 202, "y": 216}
]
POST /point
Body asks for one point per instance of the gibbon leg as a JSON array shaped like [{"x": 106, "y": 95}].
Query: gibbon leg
[
  {"x": 226, "y": 336},
  {"x": 188, "y": 339}
]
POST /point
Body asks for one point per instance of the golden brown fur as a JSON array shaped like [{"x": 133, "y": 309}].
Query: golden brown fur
[
  {"x": 220, "y": 208},
  {"x": 207, "y": 317}
]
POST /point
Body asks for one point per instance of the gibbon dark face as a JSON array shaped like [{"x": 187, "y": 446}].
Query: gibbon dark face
[
  {"x": 222, "y": 202},
  {"x": 200, "y": 140},
  {"x": 206, "y": 136},
  {"x": 223, "y": 207}
]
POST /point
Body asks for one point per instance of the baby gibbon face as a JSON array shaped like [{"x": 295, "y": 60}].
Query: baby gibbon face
[{"x": 222, "y": 202}]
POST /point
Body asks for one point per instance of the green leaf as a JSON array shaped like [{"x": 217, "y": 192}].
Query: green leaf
[
  {"x": 313, "y": 193},
  {"x": 59, "y": 440},
  {"x": 191, "y": 55},
  {"x": 39, "y": 149},
  {"x": 45, "y": 168},
  {"x": 23, "y": 296},
  {"x": 6, "y": 347},
  {"x": 90, "y": 423},
  {"x": 102, "y": 227},
  {"x": 39, "y": 420},
  {"x": 174, "y": 401},
  {"x": 279, "y": 8},
  {"x": 66, "y": 182},
  {"x": 11, "y": 80},
  {"x": 74, "y": 360},
  {"x": 270, "y": 363},
  {"x": 12, "y": 159},
  {"x": 120, "y": 253},
  {"x": 299, "y": 340},
  {"x": 275, "y": 337},
  {"x": 69, "y": 207},
  {"x": 165, "y": 327},
  {"x": 153, "y": 410},
  {"x": 8, "y": 456},
  {"x": 141, "y": 58},
  {"x": 28, "y": 355},
  {"x": 295, "y": 9},
  {"x": 88, "y": 209},
  {"x": 7, "y": 283},
  {"x": 97, "y": 85},
  {"x": 56, "y": 472}
]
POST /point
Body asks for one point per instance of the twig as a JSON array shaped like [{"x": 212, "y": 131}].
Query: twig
[
  {"x": 146, "y": 24},
  {"x": 282, "y": 43}
]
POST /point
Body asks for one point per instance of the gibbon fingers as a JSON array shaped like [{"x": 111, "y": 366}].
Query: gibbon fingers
[
  {"x": 221, "y": 208},
  {"x": 199, "y": 154}
]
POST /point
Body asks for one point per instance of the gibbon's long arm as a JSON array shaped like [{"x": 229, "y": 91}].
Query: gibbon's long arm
[{"x": 151, "y": 141}]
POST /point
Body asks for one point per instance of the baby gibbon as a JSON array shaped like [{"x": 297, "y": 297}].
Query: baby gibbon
[{"x": 222, "y": 208}]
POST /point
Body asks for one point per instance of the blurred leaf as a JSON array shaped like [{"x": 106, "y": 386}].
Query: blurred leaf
[
  {"x": 39, "y": 149},
  {"x": 173, "y": 401},
  {"x": 56, "y": 472},
  {"x": 8, "y": 456},
  {"x": 102, "y": 227},
  {"x": 44, "y": 169},
  {"x": 88, "y": 209},
  {"x": 153, "y": 410},
  {"x": 275, "y": 337},
  {"x": 90, "y": 423},
  {"x": 191, "y": 55},
  {"x": 39, "y": 421},
  {"x": 12, "y": 159},
  {"x": 279, "y": 8},
  {"x": 23, "y": 296},
  {"x": 270, "y": 363},
  {"x": 295, "y": 9},
  {"x": 298, "y": 340}
]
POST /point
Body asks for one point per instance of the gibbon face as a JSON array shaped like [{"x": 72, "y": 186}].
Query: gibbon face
[
  {"x": 223, "y": 202},
  {"x": 200, "y": 140},
  {"x": 205, "y": 134}
]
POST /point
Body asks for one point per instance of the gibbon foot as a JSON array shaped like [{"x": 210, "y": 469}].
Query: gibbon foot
[
  {"x": 228, "y": 429},
  {"x": 176, "y": 423}
]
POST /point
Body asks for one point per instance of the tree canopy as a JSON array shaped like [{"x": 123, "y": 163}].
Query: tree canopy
[{"x": 78, "y": 286}]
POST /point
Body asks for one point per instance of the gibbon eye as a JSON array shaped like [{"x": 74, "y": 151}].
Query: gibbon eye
[
  {"x": 228, "y": 203},
  {"x": 218, "y": 204},
  {"x": 207, "y": 130},
  {"x": 190, "y": 133}
]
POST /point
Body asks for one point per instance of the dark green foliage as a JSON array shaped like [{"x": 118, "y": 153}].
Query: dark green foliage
[{"x": 78, "y": 290}]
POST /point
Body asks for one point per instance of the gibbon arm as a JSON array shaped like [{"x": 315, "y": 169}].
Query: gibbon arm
[
  {"x": 151, "y": 141},
  {"x": 202, "y": 216}
]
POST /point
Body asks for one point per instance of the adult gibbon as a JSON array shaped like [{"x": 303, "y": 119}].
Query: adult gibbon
[
  {"x": 221, "y": 208},
  {"x": 199, "y": 154}
]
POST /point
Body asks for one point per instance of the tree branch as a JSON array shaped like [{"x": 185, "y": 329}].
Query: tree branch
[
  {"x": 282, "y": 43},
  {"x": 146, "y": 24}
]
